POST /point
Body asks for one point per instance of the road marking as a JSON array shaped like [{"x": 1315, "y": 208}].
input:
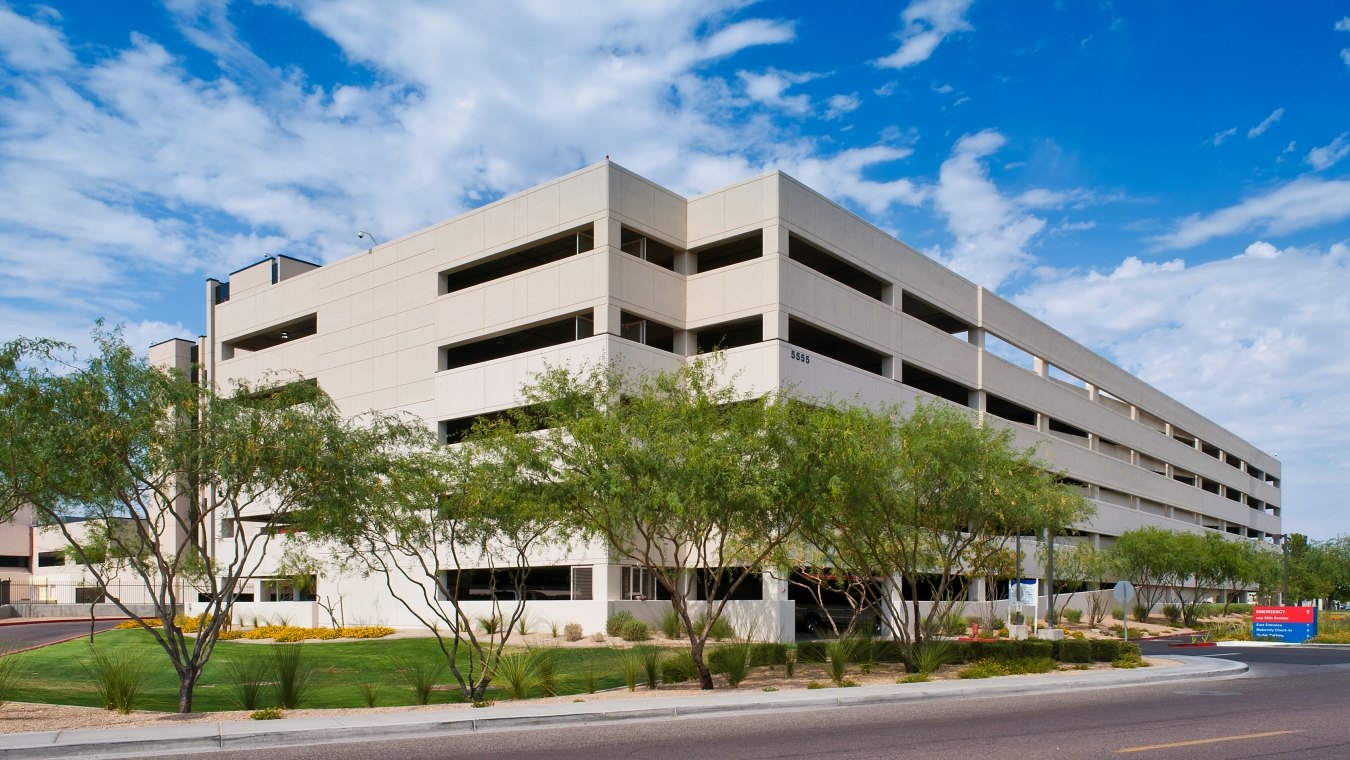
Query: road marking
[{"x": 1194, "y": 742}]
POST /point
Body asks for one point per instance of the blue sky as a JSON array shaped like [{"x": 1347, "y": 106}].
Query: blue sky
[{"x": 1169, "y": 183}]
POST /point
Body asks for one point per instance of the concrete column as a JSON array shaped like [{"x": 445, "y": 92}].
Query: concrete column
[
  {"x": 686, "y": 343},
  {"x": 775, "y": 588},
  {"x": 608, "y": 319},
  {"x": 605, "y": 582},
  {"x": 1041, "y": 366},
  {"x": 776, "y": 325},
  {"x": 685, "y": 262},
  {"x": 608, "y": 232}
]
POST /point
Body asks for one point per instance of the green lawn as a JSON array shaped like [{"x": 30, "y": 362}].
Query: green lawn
[{"x": 55, "y": 674}]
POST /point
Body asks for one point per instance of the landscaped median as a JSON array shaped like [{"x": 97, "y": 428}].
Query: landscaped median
[{"x": 409, "y": 671}]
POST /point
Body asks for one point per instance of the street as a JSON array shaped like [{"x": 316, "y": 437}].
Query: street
[
  {"x": 26, "y": 635},
  {"x": 1292, "y": 705}
]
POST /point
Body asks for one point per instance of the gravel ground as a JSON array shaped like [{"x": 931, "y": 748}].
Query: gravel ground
[{"x": 18, "y": 717}]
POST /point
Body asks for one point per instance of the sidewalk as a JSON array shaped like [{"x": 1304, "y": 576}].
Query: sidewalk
[{"x": 237, "y": 735}]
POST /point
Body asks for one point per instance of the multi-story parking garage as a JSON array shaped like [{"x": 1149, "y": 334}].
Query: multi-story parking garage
[{"x": 448, "y": 323}]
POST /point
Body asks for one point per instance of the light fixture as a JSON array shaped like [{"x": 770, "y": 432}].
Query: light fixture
[{"x": 362, "y": 234}]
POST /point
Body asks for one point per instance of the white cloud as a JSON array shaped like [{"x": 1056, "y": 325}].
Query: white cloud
[
  {"x": 768, "y": 87},
  {"x": 838, "y": 105},
  {"x": 991, "y": 232},
  {"x": 1266, "y": 123},
  {"x": 1297, "y": 205},
  {"x": 1065, "y": 227},
  {"x": 1343, "y": 25},
  {"x": 1221, "y": 137},
  {"x": 926, "y": 24},
  {"x": 32, "y": 46},
  {"x": 1245, "y": 341},
  {"x": 132, "y": 169},
  {"x": 1325, "y": 156}
]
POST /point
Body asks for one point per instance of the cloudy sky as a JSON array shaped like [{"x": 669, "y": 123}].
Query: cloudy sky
[{"x": 1169, "y": 183}]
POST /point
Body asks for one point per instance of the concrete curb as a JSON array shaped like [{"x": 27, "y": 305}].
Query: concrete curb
[{"x": 235, "y": 735}]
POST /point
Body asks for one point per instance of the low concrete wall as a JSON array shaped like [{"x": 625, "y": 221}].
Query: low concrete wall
[{"x": 38, "y": 610}]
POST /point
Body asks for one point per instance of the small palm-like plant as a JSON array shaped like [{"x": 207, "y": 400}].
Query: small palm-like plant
[
  {"x": 246, "y": 679},
  {"x": 420, "y": 673},
  {"x": 293, "y": 673},
  {"x": 118, "y": 678}
]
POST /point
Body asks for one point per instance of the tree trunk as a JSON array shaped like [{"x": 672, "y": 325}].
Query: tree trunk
[
  {"x": 187, "y": 681},
  {"x": 705, "y": 680}
]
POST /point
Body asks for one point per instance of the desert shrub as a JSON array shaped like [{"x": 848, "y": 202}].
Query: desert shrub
[
  {"x": 635, "y": 630},
  {"x": 839, "y": 653},
  {"x": 997, "y": 624},
  {"x": 811, "y": 651},
  {"x": 732, "y": 662},
  {"x": 1075, "y": 650},
  {"x": 986, "y": 668},
  {"x": 887, "y": 650},
  {"x": 953, "y": 624},
  {"x": 933, "y": 654},
  {"x": 246, "y": 679},
  {"x": 630, "y": 667},
  {"x": 1141, "y": 612},
  {"x": 572, "y": 632},
  {"x": 9, "y": 673},
  {"x": 1073, "y": 615},
  {"x": 671, "y": 625},
  {"x": 768, "y": 654},
  {"x": 267, "y": 713},
  {"x": 651, "y": 664},
  {"x": 1010, "y": 667},
  {"x": 118, "y": 678},
  {"x": 678, "y": 667},
  {"x": 229, "y": 635},
  {"x": 1130, "y": 657},
  {"x": 292, "y": 674},
  {"x": 587, "y": 678},
  {"x": 420, "y": 674},
  {"x": 370, "y": 691},
  {"x": 1118, "y": 613},
  {"x": 913, "y": 678},
  {"x": 721, "y": 628},
  {"x": 1173, "y": 614},
  {"x": 490, "y": 625},
  {"x": 131, "y": 625},
  {"x": 364, "y": 631},
  {"x": 615, "y": 623},
  {"x": 520, "y": 673},
  {"x": 1105, "y": 650},
  {"x": 188, "y": 624},
  {"x": 553, "y": 629},
  {"x": 524, "y": 624}
]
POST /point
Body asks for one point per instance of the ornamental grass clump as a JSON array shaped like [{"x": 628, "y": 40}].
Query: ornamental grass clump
[
  {"x": 245, "y": 679},
  {"x": 294, "y": 676},
  {"x": 9, "y": 673},
  {"x": 118, "y": 678},
  {"x": 420, "y": 674}
]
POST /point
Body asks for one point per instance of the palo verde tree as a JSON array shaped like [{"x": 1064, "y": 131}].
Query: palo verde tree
[
  {"x": 1077, "y": 566},
  {"x": 681, "y": 476},
  {"x": 184, "y": 487},
  {"x": 1146, "y": 558},
  {"x": 928, "y": 496},
  {"x": 421, "y": 515}
]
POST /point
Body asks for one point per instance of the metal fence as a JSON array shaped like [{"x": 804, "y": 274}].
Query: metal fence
[{"x": 82, "y": 593}]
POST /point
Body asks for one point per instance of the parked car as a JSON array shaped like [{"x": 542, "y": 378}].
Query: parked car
[{"x": 815, "y": 619}]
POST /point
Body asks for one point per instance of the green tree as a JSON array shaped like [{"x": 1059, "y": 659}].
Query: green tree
[
  {"x": 683, "y": 477},
  {"x": 930, "y": 495},
  {"x": 153, "y": 466},
  {"x": 422, "y": 514},
  {"x": 1144, "y": 557},
  {"x": 1077, "y": 565}
]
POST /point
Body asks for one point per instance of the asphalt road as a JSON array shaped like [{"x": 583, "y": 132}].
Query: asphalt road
[
  {"x": 13, "y": 637},
  {"x": 1284, "y": 710}
]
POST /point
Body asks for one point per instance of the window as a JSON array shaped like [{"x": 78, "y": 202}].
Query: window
[
  {"x": 525, "y": 258},
  {"x": 637, "y": 583},
  {"x": 835, "y": 268},
  {"x": 581, "y": 582},
  {"x": 543, "y": 335},
  {"x": 273, "y": 336},
  {"x": 727, "y": 252},
  {"x": 287, "y": 590},
  {"x": 647, "y": 249},
  {"x": 645, "y": 331}
]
